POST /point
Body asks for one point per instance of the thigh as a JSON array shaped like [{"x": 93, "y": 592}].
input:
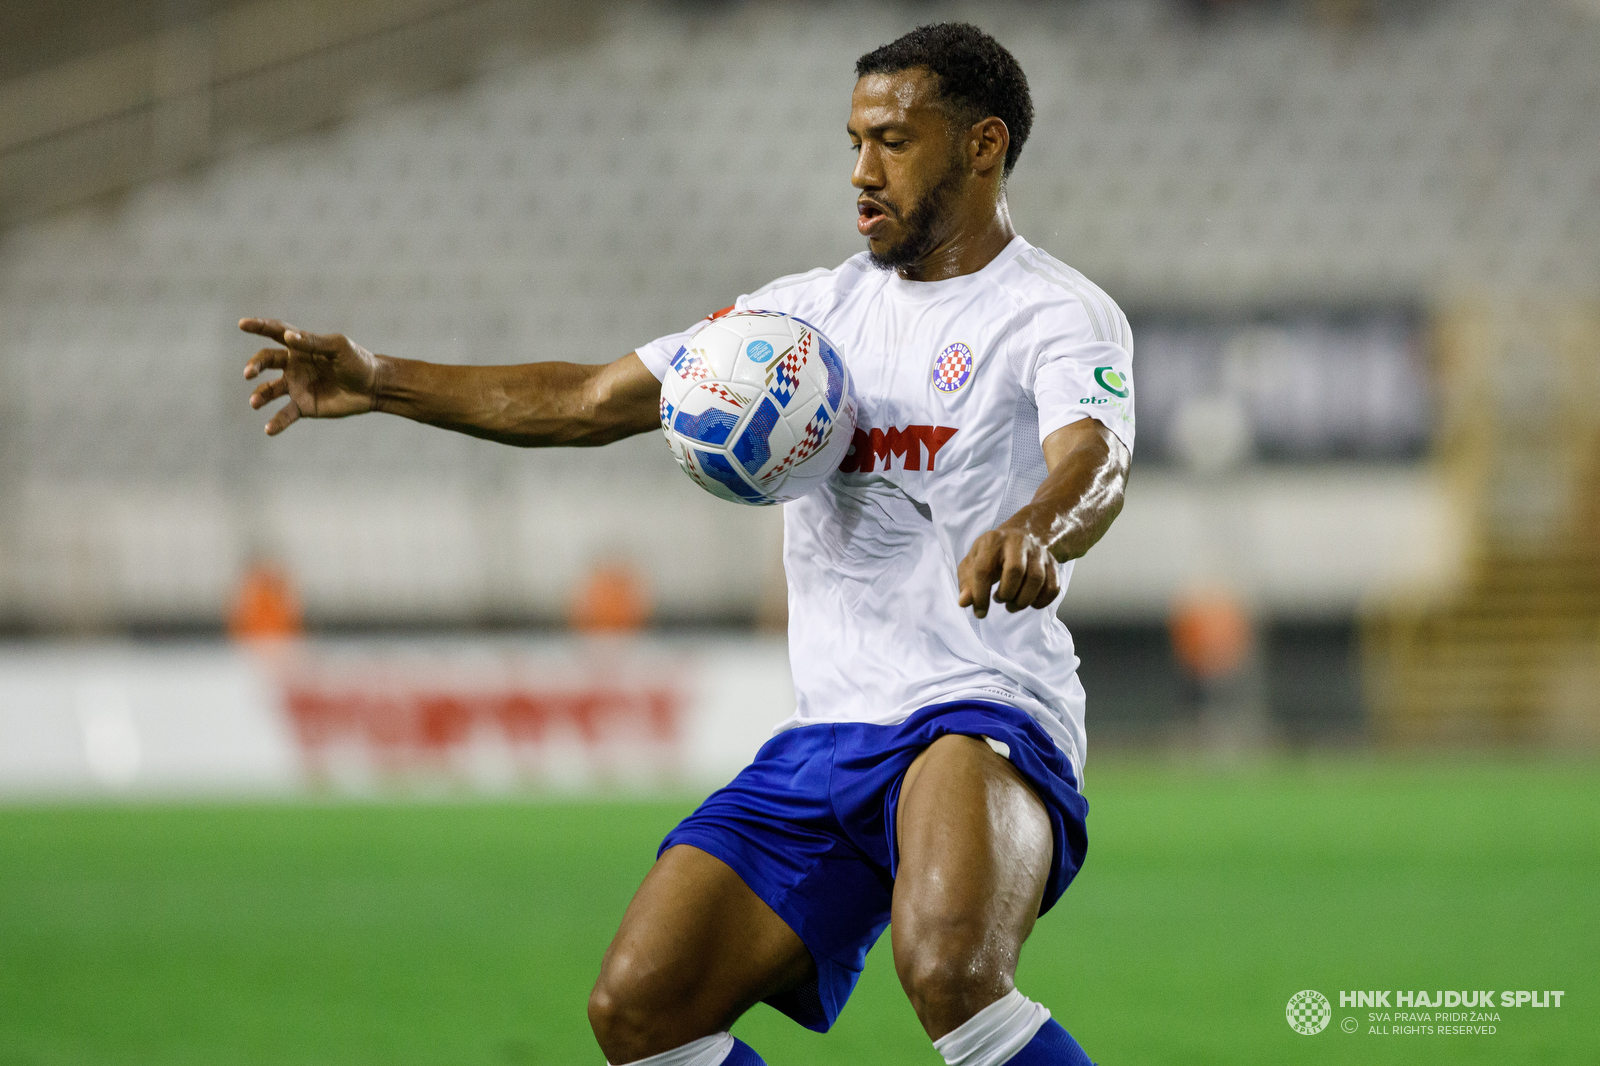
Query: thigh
[
  {"x": 696, "y": 949},
  {"x": 975, "y": 848}
]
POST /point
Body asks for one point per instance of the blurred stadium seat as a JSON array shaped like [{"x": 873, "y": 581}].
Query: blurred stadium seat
[{"x": 1292, "y": 206}]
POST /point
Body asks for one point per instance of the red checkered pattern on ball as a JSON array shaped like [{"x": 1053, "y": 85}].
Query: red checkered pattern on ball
[
  {"x": 693, "y": 368},
  {"x": 694, "y": 471},
  {"x": 815, "y": 434},
  {"x": 784, "y": 376},
  {"x": 717, "y": 389},
  {"x": 789, "y": 460}
]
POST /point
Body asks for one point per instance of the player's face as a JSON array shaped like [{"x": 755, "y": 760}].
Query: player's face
[{"x": 909, "y": 166}]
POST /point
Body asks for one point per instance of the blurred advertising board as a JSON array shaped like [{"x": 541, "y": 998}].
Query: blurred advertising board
[{"x": 435, "y": 716}]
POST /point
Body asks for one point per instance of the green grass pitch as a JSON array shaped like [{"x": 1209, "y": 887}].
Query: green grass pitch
[{"x": 468, "y": 933}]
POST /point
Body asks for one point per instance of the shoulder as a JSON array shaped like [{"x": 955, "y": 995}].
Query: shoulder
[{"x": 1065, "y": 305}]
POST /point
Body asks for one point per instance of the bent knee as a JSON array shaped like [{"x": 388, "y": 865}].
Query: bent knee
[
  {"x": 608, "y": 1013},
  {"x": 627, "y": 1009},
  {"x": 950, "y": 975}
]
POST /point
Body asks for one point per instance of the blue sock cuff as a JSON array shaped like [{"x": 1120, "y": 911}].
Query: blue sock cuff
[
  {"x": 1050, "y": 1046},
  {"x": 743, "y": 1055}
]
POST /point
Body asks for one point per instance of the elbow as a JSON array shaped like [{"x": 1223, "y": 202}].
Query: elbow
[{"x": 608, "y": 411}]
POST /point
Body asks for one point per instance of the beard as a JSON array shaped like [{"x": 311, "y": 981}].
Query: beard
[{"x": 924, "y": 225}]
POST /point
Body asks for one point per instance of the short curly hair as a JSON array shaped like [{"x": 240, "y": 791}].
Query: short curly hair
[{"x": 977, "y": 76}]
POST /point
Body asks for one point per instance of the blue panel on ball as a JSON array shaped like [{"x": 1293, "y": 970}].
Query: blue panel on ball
[
  {"x": 716, "y": 465},
  {"x": 781, "y": 381},
  {"x": 830, "y": 360},
  {"x": 707, "y": 427},
  {"x": 752, "y": 449},
  {"x": 759, "y": 351},
  {"x": 819, "y": 422}
]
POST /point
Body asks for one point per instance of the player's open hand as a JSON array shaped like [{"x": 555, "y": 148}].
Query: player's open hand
[
  {"x": 325, "y": 375},
  {"x": 1009, "y": 566}
]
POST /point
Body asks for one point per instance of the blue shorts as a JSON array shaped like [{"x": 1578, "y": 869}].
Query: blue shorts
[{"x": 810, "y": 827}]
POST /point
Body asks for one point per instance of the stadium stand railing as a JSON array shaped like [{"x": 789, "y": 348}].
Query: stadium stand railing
[{"x": 1514, "y": 654}]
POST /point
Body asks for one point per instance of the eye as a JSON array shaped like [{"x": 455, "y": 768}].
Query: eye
[{"x": 894, "y": 145}]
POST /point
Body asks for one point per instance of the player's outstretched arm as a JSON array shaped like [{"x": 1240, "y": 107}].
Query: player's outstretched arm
[
  {"x": 327, "y": 375},
  {"x": 1073, "y": 508}
]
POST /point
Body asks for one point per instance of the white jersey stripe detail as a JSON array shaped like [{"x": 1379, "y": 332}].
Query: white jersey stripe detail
[
  {"x": 1099, "y": 320},
  {"x": 1124, "y": 335},
  {"x": 1108, "y": 321}
]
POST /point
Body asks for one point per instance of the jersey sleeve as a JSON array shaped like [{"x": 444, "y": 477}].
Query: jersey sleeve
[
  {"x": 1084, "y": 369},
  {"x": 658, "y": 354},
  {"x": 796, "y": 294}
]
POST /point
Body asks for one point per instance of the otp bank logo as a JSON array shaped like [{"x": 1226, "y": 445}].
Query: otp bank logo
[
  {"x": 1111, "y": 381},
  {"x": 872, "y": 449}
]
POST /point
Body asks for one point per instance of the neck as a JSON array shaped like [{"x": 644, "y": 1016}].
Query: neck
[{"x": 969, "y": 249}]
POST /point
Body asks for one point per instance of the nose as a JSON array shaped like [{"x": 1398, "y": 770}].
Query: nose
[{"x": 868, "y": 173}]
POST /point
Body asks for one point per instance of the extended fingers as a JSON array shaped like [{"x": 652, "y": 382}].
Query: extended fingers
[
  {"x": 266, "y": 359},
  {"x": 287, "y": 415},
  {"x": 283, "y": 333},
  {"x": 316, "y": 343},
  {"x": 268, "y": 391},
  {"x": 265, "y": 327}
]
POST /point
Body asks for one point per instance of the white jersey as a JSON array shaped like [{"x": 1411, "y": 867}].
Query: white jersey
[{"x": 957, "y": 384}]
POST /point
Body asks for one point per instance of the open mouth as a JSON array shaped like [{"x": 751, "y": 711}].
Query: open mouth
[{"x": 869, "y": 214}]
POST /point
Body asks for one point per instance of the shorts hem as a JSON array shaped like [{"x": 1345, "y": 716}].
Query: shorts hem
[{"x": 778, "y": 899}]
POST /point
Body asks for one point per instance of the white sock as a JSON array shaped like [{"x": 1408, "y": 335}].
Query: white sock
[
  {"x": 707, "y": 1051},
  {"x": 995, "y": 1033}
]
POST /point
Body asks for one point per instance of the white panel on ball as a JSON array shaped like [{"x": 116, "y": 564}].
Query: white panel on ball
[{"x": 757, "y": 407}]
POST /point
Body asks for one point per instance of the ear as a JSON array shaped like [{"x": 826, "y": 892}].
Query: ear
[{"x": 988, "y": 141}]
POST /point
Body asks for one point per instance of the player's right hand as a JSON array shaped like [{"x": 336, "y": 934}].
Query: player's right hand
[{"x": 325, "y": 375}]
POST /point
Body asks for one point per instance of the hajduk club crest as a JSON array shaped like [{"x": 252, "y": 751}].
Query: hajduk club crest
[{"x": 953, "y": 367}]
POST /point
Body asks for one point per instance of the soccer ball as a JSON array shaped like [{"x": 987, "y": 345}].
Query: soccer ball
[{"x": 757, "y": 407}]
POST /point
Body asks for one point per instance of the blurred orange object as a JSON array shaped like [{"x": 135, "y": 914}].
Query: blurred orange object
[
  {"x": 266, "y": 607},
  {"x": 1211, "y": 633},
  {"x": 611, "y": 598}
]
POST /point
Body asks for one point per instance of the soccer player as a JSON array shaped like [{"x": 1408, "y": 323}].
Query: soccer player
[{"x": 930, "y": 774}]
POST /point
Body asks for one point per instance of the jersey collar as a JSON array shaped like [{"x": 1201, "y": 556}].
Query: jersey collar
[{"x": 923, "y": 291}]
